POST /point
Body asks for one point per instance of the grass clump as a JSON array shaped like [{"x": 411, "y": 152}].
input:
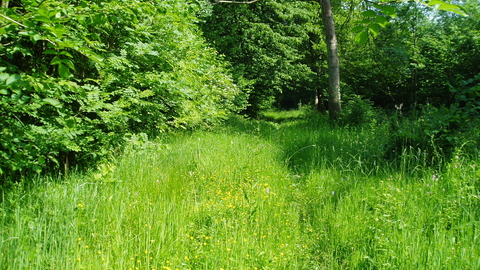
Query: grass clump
[{"x": 297, "y": 193}]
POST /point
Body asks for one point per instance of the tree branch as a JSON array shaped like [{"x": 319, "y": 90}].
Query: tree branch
[
  {"x": 12, "y": 20},
  {"x": 24, "y": 26}
]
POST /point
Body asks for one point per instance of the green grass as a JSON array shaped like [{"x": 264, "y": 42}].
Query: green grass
[{"x": 296, "y": 193}]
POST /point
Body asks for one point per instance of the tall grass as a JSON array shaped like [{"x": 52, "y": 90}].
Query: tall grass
[{"x": 292, "y": 193}]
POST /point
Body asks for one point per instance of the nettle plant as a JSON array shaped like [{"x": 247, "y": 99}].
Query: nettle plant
[{"x": 77, "y": 77}]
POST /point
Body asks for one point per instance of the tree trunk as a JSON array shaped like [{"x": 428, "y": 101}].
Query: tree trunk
[{"x": 334, "y": 99}]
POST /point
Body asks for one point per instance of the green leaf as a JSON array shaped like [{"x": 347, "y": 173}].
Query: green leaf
[
  {"x": 4, "y": 92},
  {"x": 56, "y": 61},
  {"x": 63, "y": 71},
  {"x": 66, "y": 54},
  {"x": 361, "y": 37},
  {"x": 374, "y": 29},
  {"x": 40, "y": 18},
  {"x": 90, "y": 54},
  {"x": 50, "y": 52},
  {"x": 99, "y": 18},
  {"x": 69, "y": 63},
  {"x": 382, "y": 21},
  {"x": 4, "y": 77},
  {"x": 55, "y": 103},
  {"x": 364, "y": 21},
  {"x": 24, "y": 99},
  {"x": 37, "y": 168},
  {"x": 36, "y": 37},
  {"x": 358, "y": 28},
  {"x": 17, "y": 90},
  {"x": 389, "y": 11},
  {"x": 13, "y": 78},
  {"x": 441, "y": 5},
  {"x": 29, "y": 24},
  {"x": 41, "y": 160},
  {"x": 435, "y": 2},
  {"x": 369, "y": 13},
  {"x": 39, "y": 87},
  {"x": 70, "y": 122}
]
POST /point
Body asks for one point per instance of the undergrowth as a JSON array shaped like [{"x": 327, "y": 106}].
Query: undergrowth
[{"x": 296, "y": 193}]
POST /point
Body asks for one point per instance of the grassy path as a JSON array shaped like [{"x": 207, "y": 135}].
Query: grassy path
[{"x": 251, "y": 195}]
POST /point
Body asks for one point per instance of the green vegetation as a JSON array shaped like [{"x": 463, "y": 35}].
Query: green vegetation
[
  {"x": 295, "y": 193},
  {"x": 273, "y": 47},
  {"x": 122, "y": 147},
  {"x": 78, "y": 77}
]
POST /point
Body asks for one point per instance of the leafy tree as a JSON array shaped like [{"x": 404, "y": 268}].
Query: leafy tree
[
  {"x": 374, "y": 18},
  {"x": 269, "y": 45},
  {"x": 77, "y": 77},
  {"x": 414, "y": 59}
]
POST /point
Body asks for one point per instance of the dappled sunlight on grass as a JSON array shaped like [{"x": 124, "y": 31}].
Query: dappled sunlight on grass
[{"x": 282, "y": 116}]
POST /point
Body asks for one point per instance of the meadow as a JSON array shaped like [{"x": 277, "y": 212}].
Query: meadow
[{"x": 290, "y": 191}]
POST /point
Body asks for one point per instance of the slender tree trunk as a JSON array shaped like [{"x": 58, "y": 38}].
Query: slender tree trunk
[
  {"x": 5, "y": 4},
  {"x": 334, "y": 99}
]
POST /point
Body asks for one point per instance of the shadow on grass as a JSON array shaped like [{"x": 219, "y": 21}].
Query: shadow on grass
[{"x": 311, "y": 142}]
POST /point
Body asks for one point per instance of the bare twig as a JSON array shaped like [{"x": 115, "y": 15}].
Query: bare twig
[
  {"x": 12, "y": 20},
  {"x": 22, "y": 25}
]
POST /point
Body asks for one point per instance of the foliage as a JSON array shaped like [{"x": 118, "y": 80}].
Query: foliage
[
  {"x": 415, "y": 58},
  {"x": 439, "y": 131},
  {"x": 465, "y": 115},
  {"x": 271, "y": 47},
  {"x": 379, "y": 15},
  {"x": 372, "y": 20},
  {"x": 358, "y": 111},
  {"x": 77, "y": 76},
  {"x": 278, "y": 58}
]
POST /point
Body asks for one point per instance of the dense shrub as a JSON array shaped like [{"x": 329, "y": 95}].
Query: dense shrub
[
  {"x": 358, "y": 111},
  {"x": 439, "y": 131},
  {"x": 76, "y": 77}
]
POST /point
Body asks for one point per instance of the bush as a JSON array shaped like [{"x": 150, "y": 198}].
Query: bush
[
  {"x": 75, "y": 79},
  {"x": 358, "y": 111},
  {"x": 439, "y": 131}
]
